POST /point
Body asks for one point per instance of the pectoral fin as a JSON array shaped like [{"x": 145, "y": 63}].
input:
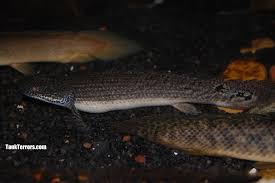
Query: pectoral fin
[
  {"x": 76, "y": 113},
  {"x": 70, "y": 105},
  {"x": 24, "y": 68},
  {"x": 77, "y": 117},
  {"x": 187, "y": 108}
]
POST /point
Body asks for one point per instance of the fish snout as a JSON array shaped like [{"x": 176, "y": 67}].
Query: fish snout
[{"x": 48, "y": 90}]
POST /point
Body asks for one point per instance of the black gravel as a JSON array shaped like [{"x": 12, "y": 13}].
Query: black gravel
[{"x": 172, "y": 40}]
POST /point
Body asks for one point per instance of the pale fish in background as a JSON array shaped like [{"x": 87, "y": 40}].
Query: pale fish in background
[{"x": 19, "y": 48}]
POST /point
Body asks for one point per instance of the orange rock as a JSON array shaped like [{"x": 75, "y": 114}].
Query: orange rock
[
  {"x": 140, "y": 158},
  {"x": 243, "y": 70},
  {"x": 87, "y": 145},
  {"x": 38, "y": 176},
  {"x": 258, "y": 44},
  {"x": 126, "y": 138},
  {"x": 272, "y": 73},
  {"x": 83, "y": 178},
  {"x": 55, "y": 180}
]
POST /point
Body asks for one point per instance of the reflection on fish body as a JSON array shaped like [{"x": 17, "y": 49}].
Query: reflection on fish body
[
  {"x": 107, "y": 91},
  {"x": 249, "y": 137}
]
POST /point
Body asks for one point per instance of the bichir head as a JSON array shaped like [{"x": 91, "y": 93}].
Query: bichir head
[
  {"x": 47, "y": 89},
  {"x": 244, "y": 94}
]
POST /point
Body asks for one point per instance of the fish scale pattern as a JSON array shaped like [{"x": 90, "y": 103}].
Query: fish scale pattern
[
  {"x": 249, "y": 137},
  {"x": 117, "y": 86}
]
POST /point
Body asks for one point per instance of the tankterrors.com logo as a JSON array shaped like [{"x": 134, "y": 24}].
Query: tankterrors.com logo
[{"x": 25, "y": 147}]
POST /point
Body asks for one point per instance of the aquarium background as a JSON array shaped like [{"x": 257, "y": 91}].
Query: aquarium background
[{"x": 193, "y": 36}]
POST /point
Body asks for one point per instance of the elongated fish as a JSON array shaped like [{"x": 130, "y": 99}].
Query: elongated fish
[
  {"x": 107, "y": 91},
  {"x": 19, "y": 48},
  {"x": 249, "y": 137}
]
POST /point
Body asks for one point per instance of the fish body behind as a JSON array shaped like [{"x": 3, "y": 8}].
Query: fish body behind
[
  {"x": 17, "y": 48},
  {"x": 249, "y": 137},
  {"x": 107, "y": 91}
]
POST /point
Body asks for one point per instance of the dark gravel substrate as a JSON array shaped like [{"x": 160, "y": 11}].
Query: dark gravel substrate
[{"x": 172, "y": 41}]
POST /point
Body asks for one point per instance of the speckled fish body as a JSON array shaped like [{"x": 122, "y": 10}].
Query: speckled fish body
[
  {"x": 107, "y": 91},
  {"x": 249, "y": 137}
]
